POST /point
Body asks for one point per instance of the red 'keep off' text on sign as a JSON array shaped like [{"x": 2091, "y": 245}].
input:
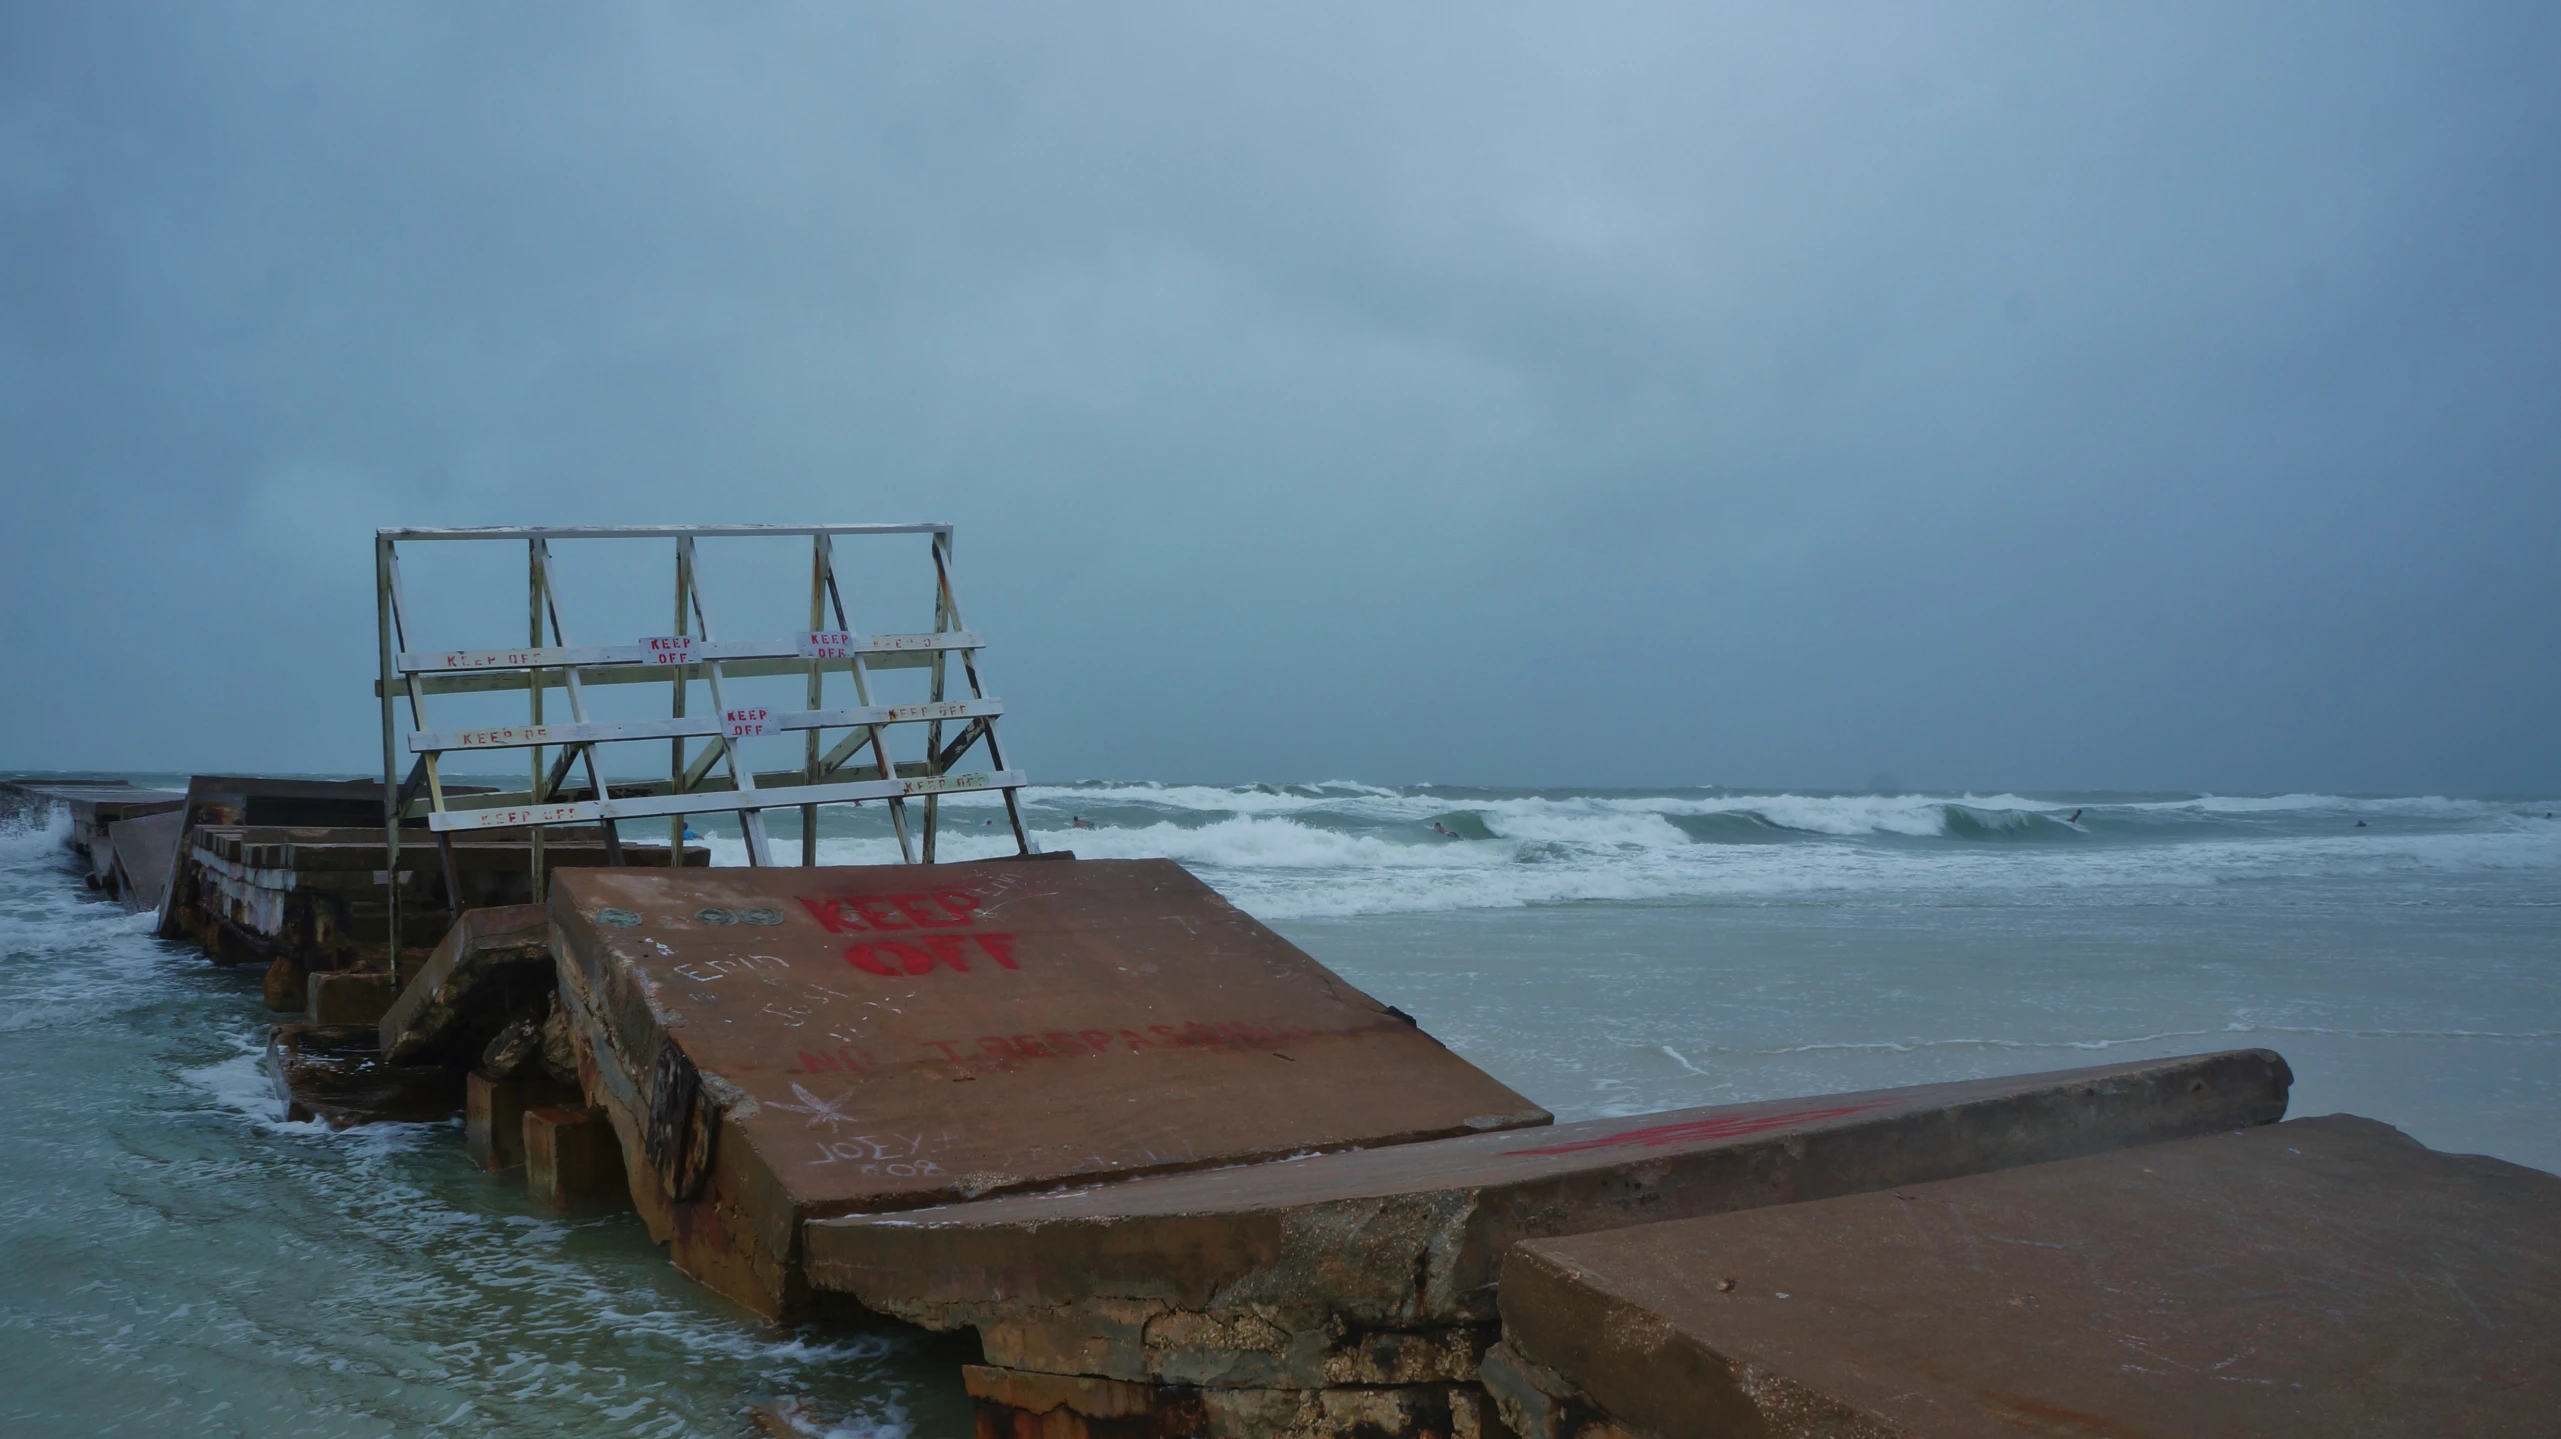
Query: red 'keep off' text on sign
[
  {"x": 740, "y": 723},
  {"x": 919, "y": 953},
  {"x": 669, "y": 649}
]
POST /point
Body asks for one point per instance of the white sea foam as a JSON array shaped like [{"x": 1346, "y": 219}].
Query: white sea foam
[{"x": 1343, "y": 849}]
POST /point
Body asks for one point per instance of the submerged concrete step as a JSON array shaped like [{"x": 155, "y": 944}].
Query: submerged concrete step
[
  {"x": 2322, "y": 1277},
  {"x": 1379, "y": 1267},
  {"x": 775, "y": 1045},
  {"x": 336, "y": 1075}
]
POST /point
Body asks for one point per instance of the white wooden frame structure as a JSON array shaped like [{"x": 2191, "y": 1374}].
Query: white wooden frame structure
[{"x": 691, "y": 652}]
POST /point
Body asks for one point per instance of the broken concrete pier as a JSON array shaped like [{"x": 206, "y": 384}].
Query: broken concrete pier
[
  {"x": 2316, "y": 1278},
  {"x": 145, "y": 850},
  {"x": 1376, "y": 1270},
  {"x": 95, "y": 806},
  {"x": 780, "y": 1045}
]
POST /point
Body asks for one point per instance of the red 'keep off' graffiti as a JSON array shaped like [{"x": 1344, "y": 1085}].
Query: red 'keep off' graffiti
[
  {"x": 859, "y": 913},
  {"x": 941, "y": 909}
]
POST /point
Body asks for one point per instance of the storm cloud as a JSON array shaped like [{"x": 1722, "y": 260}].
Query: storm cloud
[{"x": 1985, "y": 395}]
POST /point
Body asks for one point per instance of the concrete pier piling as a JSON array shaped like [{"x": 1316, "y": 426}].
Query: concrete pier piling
[{"x": 572, "y": 1160}]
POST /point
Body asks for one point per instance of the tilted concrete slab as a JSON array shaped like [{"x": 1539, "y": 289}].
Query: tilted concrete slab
[
  {"x": 95, "y": 810},
  {"x": 492, "y": 968},
  {"x": 2324, "y": 1277},
  {"x": 1380, "y": 1266},
  {"x": 787, "y": 1043},
  {"x": 146, "y": 850}
]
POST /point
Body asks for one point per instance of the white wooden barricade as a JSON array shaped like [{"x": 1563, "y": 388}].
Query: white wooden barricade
[{"x": 548, "y": 661}]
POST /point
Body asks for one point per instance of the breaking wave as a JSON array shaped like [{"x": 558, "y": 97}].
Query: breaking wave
[{"x": 1341, "y": 848}]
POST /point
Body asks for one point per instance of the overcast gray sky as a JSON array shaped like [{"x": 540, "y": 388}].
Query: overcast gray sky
[{"x": 1987, "y": 395}]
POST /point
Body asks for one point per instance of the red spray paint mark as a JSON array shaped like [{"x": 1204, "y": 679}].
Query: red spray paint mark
[
  {"x": 854, "y": 914},
  {"x": 1698, "y": 1130},
  {"x": 895, "y": 959}
]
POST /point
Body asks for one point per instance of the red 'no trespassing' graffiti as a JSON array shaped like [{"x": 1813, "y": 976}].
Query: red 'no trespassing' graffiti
[{"x": 1733, "y": 1126}]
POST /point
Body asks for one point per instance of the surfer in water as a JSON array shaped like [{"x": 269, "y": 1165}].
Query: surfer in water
[
  {"x": 2075, "y": 819},
  {"x": 1078, "y": 821},
  {"x": 1445, "y": 832}
]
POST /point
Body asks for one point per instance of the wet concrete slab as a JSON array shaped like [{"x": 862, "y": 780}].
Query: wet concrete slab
[
  {"x": 337, "y": 1075},
  {"x": 94, "y": 810},
  {"x": 145, "y": 851},
  {"x": 778, "y": 1045},
  {"x": 1380, "y": 1266},
  {"x": 2323, "y": 1277}
]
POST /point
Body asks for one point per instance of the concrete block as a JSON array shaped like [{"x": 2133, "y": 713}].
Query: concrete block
[
  {"x": 287, "y": 988},
  {"x": 2321, "y": 1277},
  {"x": 778, "y": 1044},
  {"x": 1380, "y": 1265},
  {"x": 494, "y": 1116},
  {"x": 572, "y": 1161},
  {"x": 342, "y": 998}
]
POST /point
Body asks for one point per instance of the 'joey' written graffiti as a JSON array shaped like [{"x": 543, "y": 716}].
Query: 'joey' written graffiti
[
  {"x": 705, "y": 971},
  {"x": 876, "y": 1154}
]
